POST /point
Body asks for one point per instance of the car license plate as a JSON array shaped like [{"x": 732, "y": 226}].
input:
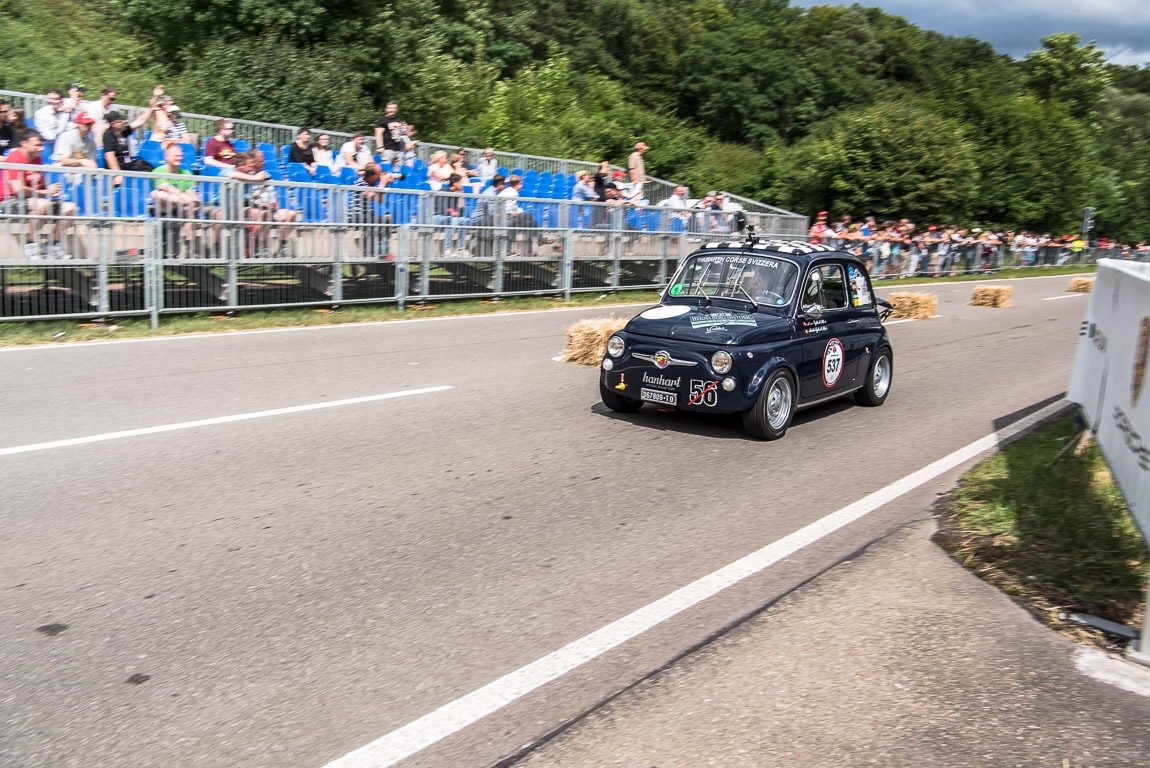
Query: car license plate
[{"x": 655, "y": 396}]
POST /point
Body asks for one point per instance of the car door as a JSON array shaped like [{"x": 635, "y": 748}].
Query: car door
[
  {"x": 828, "y": 325},
  {"x": 864, "y": 323}
]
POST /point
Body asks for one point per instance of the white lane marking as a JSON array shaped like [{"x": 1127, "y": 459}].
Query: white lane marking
[
  {"x": 209, "y": 422},
  {"x": 1124, "y": 674},
  {"x": 1067, "y": 296},
  {"x": 457, "y": 715},
  {"x": 230, "y": 334},
  {"x": 904, "y": 320}
]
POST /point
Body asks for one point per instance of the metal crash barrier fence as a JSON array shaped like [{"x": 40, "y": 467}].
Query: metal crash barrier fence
[{"x": 95, "y": 243}]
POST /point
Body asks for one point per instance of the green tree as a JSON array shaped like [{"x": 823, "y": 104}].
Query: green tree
[
  {"x": 1065, "y": 71},
  {"x": 890, "y": 160}
]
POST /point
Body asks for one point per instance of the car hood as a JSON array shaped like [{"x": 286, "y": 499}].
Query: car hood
[{"x": 708, "y": 324}]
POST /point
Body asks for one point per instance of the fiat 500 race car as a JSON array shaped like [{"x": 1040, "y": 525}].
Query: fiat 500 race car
[{"x": 758, "y": 327}]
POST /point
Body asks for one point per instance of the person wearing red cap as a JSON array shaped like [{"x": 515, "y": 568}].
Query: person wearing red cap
[
  {"x": 819, "y": 230},
  {"x": 77, "y": 147}
]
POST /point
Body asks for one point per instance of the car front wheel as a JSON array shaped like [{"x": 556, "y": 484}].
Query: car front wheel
[
  {"x": 771, "y": 414},
  {"x": 876, "y": 386},
  {"x": 617, "y": 402}
]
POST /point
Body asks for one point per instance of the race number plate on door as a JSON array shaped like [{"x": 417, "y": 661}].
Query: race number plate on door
[{"x": 833, "y": 360}]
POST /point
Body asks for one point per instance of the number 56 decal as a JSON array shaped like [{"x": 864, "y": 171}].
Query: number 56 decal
[{"x": 705, "y": 392}]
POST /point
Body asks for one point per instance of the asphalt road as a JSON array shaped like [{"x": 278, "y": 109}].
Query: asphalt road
[{"x": 284, "y": 590}]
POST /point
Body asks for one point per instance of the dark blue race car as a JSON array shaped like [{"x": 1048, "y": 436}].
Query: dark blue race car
[{"x": 759, "y": 327}]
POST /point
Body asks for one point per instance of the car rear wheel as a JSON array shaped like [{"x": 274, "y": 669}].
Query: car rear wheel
[
  {"x": 617, "y": 402},
  {"x": 771, "y": 414},
  {"x": 876, "y": 386}
]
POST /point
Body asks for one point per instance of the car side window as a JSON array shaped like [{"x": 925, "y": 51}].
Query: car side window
[
  {"x": 860, "y": 289},
  {"x": 834, "y": 287}
]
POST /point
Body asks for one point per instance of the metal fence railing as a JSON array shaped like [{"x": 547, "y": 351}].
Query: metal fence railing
[{"x": 102, "y": 243}]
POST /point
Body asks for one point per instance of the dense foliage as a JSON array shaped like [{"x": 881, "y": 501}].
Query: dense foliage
[{"x": 841, "y": 108}]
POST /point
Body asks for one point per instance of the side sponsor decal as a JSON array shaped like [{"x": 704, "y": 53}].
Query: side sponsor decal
[
  {"x": 724, "y": 318},
  {"x": 661, "y": 381},
  {"x": 833, "y": 359},
  {"x": 814, "y": 326}
]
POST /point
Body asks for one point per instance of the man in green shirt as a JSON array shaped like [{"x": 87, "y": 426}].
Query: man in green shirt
[{"x": 176, "y": 198}]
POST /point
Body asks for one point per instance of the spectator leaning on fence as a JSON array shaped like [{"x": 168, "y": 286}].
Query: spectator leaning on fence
[
  {"x": 176, "y": 197},
  {"x": 583, "y": 191},
  {"x": 449, "y": 209},
  {"x": 220, "y": 152},
  {"x": 23, "y": 191},
  {"x": 361, "y": 210}
]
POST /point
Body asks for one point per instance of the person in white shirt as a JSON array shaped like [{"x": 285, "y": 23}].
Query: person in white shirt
[
  {"x": 98, "y": 108},
  {"x": 486, "y": 165},
  {"x": 76, "y": 148},
  {"x": 52, "y": 119},
  {"x": 354, "y": 153},
  {"x": 516, "y": 216}
]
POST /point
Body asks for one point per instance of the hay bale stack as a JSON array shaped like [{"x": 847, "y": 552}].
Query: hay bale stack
[
  {"x": 913, "y": 306},
  {"x": 1082, "y": 284},
  {"x": 587, "y": 339},
  {"x": 991, "y": 296}
]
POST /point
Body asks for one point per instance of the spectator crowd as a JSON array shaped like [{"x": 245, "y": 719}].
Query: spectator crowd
[
  {"x": 903, "y": 249},
  {"x": 72, "y": 131}
]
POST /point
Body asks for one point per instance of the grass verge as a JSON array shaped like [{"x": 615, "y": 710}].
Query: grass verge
[
  {"x": 213, "y": 322},
  {"x": 1052, "y": 531}
]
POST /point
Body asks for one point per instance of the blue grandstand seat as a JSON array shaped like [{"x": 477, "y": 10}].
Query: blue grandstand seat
[
  {"x": 285, "y": 153},
  {"x": 294, "y": 171},
  {"x": 132, "y": 198},
  {"x": 241, "y": 145},
  {"x": 323, "y": 175},
  {"x": 503, "y": 171},
  {"x": 348, "y": 176},
  {"x": 517, "y": 172},
  {"x": 266, "y": 147}
]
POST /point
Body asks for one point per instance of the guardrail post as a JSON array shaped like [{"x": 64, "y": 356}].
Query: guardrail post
[
  {"x": 154, "y": 267},
  {"x": 567, "y": 265},
  {"x": 402, "y": 263},
  {"x": 616, "y": 242}
]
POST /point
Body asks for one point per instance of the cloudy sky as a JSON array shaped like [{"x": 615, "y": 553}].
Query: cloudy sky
[{"x": 1120, "y": 27}]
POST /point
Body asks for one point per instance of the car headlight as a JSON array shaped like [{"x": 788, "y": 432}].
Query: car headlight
[
  {"x": 615, "y": 346},
  {"x": 721, "y": 361}
]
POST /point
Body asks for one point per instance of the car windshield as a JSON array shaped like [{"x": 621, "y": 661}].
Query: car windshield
[{"x": 765, "y": 281}]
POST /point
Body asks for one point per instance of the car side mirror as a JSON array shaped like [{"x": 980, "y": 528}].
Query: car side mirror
[{"x": 813, "y": 311}]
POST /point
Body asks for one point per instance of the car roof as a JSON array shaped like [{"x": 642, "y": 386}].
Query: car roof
[{"x": 799, "y": 251}]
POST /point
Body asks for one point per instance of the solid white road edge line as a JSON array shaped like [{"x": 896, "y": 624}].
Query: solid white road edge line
[
  {"x": 1067, "y": 296},
  {"x": 293, "y": 329},
  {"x": 210, "y": 422},
  {"x": 457, "y": 715},
  {"x": 904, "y": 320}
]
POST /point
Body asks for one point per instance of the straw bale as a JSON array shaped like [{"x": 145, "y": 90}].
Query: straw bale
[
  {"x": 1082, "y": 284},
  {"x": 991, "y": 296},
  {"x": 914, "y": 306},
  {"x": 587, "y": 339}
]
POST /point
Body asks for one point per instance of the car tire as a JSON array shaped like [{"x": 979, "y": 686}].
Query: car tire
[
  {"x": 879, "y": 376},
  {"x": 617, "y": 402},
  {"x": 772, "y": 412}
]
